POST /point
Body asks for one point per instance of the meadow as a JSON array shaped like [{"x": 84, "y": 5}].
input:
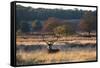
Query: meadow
[{"x": 32, "y": 50}]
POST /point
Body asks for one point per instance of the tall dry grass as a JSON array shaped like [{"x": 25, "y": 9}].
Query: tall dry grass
[{"x": 43, "y": 57}]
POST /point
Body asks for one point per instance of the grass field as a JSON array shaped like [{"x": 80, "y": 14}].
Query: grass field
[
  {"x": 77, "y": 40},
  {"x": 72, "y": 49},
  {"x": 26, "y": 58}
]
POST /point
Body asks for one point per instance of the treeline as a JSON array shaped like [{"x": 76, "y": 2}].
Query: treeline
[
  {"x": 40, "y": 19},
  {"x": 29, "y": 13}
]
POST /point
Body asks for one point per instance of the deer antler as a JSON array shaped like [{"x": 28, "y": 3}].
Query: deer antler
[{"x": 49, "y": 38}]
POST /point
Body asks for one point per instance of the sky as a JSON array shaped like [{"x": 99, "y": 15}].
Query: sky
[{"x": 55, "y": 6}]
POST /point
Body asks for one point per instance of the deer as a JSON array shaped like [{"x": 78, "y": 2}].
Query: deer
[{"x": 50, "y": 39}]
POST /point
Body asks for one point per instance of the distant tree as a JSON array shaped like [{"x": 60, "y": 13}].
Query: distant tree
[
  {"x": 64, "y": 30},
  {"x": 87, "y": 23},
  {"x": 36, "y": 25},
  {"x": 25, "y": 27},
  {"x": 18, "y": 32},
  {"x": 50, "y": 24}
]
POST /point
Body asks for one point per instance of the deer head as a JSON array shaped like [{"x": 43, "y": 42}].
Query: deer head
[{"x": 49, "y": 38}]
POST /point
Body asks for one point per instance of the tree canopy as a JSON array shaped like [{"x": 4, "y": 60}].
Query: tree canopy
[{"x": 88, "y": 22}]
